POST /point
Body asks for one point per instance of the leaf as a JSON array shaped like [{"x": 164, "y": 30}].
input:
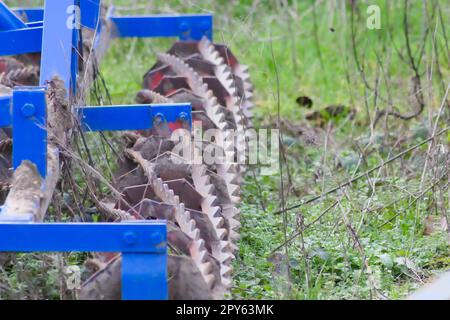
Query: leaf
[
  {"x": 408, "y": 263},
  {"x": 320, "y": 253},
  {"x": 386, "y": 260}
]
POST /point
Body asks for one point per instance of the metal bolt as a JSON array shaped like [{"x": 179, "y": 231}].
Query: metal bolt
[
  {"x": 28, "y": 110},
  {"x": 158, "y": 119},
  {"x": 129, "y": 238},
  {"x": 184, "y": 27},
  {"x": 183, "y": 116}
]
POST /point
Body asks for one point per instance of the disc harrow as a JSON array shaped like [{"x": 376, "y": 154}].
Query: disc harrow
[{"x": 199, "y": 200}]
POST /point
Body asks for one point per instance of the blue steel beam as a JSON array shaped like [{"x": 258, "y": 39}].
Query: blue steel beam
[
  {"x": 137, "y": 237},
  {"x": 186, "y": 27},
  {"x": 8, "y": 19},
  {"x": 20, "y": 41},
  {"x": 58, "y": 43},
  {"x": 143, "y": 245},
  {"x": 29, "y": 127},
  {"x": 5, "y": 111},
  {"x": 141, "y": 276},
  {"x": 131, "y": 117}
]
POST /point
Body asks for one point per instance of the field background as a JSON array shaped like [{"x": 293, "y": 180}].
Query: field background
[{"x": 381, "y": 236}]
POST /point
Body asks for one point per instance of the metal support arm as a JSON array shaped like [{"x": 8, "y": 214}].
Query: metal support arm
[
  {"x": 186, "y": 27},
  {"x": 143, "y": 245},
  {"x": 8, "y": 20},
  {"x": 132, "y": 117}
]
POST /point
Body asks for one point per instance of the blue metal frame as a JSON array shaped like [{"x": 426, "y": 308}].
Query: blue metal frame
[
  {"x": 89, "y": 18},
  {"x": 59, "y": 44},
  {"x": 143, "y": 245},
  {"x": 29, "y": 124},
  {"x": 28, "y": 119},
  {"x": 186, "y": 27},
  {"x": 131, "y": 117},
  {"x": 20, "y": 41}
]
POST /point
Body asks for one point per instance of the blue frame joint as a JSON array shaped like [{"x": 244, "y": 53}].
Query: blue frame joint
[
  {"x": 29, "y": 127},
  {"x": 9, "y": 20}
]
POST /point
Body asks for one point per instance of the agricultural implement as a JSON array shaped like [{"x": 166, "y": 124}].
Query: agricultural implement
[{"x": 175, "y": 224}]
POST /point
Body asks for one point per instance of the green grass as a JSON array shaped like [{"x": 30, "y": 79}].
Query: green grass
[{"x": 311, "y": 54}]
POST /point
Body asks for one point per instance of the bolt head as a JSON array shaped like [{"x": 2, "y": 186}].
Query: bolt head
[
  {"x": 129, "y": 238},
  {"x": 158, "y": 119},
  {"x": 183, "y": 116},
  {"x": 184, "y": 27},
  {"x": 28, "y": 110}
]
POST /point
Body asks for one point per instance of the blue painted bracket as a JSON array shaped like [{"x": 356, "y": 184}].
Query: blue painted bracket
[
  {"x": 143, "y": 245},
  {"x": 186, "y": 27},
  {"x": 20, "y": 41},
  {"x": 29, "y": 117},
  {"x": 132, "y": 117}
]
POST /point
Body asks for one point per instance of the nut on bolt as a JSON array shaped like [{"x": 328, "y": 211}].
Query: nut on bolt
[
  {"x": 28, "y": 110},
  {"x": 158, "y": 119},
  {"x": 129, "y": 238},
  {"x": 184, "y": 27},
  {"x": 183, "y": 116}
]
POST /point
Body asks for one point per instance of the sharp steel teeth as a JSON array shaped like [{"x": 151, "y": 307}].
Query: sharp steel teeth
[
  {"x": 13, "y": 77},
  {"x": 224, "y": 74},
  {"x": 182, "y": 216},
  {"x": 222, "y": 252},
  {"x": 241, "y": 110},
  {"x": 187, "y": 225},
  {"x": 197, "y": 85},
  {"x": 212, "y": 108}
]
